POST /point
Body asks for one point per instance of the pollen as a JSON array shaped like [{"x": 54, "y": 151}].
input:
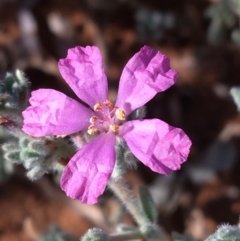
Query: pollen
[
  {"x": 97, "y": 107},
  {"x": 92, "y": 130},
  {"x": 120, "y": 114},
  {"x": 114, "y": 128},
  {"x": 93, "y": 119},
  {"x": 108, "y": 104}
]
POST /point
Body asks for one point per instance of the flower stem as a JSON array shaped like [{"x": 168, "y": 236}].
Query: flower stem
[
  {"x": 130, "y": 235},
  {"x": 121, "y": 190},
  {"x": 147, "y": 229}
]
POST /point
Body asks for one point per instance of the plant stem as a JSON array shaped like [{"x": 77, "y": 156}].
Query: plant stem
[
  {"x": 124, "y": 193},
  {"x": 121, "y": 190},
  {"x": 130, "y": 235}
]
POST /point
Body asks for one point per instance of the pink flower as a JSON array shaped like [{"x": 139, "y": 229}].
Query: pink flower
[{"x": 159, "y": 146}]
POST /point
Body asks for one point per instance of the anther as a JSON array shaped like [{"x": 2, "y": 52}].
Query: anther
[
  {"x": 120, "y": 114},
  {"x": 97, "y": 107},
  {"x": 92, "y": 130},
  {"x": 114, "y": 128},
  {"x": 108, "y": 104},
  {"x": 93, "y": 119}
]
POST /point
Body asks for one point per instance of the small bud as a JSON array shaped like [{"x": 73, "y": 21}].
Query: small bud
[{"x": 225, "y": 232}]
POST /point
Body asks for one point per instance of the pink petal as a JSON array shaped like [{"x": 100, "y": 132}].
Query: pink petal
[
  {"x": 159, "y": 146},
  {"x": 83, "y": 71},
  {"x": 87, "y": 173},
  {"x": 53, "y": 113},
  {"x": 146, "y": 73}
]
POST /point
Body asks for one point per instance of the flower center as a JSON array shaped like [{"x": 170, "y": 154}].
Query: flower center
[{"x": 106, "y": 118}]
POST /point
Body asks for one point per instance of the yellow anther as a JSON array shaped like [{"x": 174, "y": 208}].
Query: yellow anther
[
  {"x": 93, "y": 119},
  {"x": 97, "y": 107},
  {"x": 114, "y": 128},
  {"x": 120, "y": 114},
  {"x": 108, "y": 104},
  {"x": 92, "y": 130}
]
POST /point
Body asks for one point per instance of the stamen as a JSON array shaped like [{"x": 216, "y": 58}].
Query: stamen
[
  {"x": 114, "y": 128},
  {"x": 120, "y": 114},
  {"x": 93, "y": 119},
  {"x": 92, "y": 130},
  {"x": 97, "y": 107},
  {"x": 108, "y": 104}
]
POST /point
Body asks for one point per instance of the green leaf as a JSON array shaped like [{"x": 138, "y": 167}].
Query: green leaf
[
  {"x": 39, "y": 147},
  {"x": 23, "y": 143},
  {"x": 13, "y": 156},
  {"x": 10, "y": 146},
  {"x": 29, "y": 154},
  {"x": 147, "y": 205}
]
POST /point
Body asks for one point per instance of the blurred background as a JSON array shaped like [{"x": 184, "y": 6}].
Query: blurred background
[{"x": 202, "y": 40}]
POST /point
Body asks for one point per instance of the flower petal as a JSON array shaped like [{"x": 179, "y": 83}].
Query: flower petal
[
  {"x": 53, "y": 113},
  {"x": 83, "y": 70},
  {"x": 87, "y": 173},
  {"x": 156, "y": 144},
  {"x": 145, "y": 74}
]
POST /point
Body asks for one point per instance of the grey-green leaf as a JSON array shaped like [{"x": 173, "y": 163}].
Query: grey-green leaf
[{"x": 147, "y": 204}]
